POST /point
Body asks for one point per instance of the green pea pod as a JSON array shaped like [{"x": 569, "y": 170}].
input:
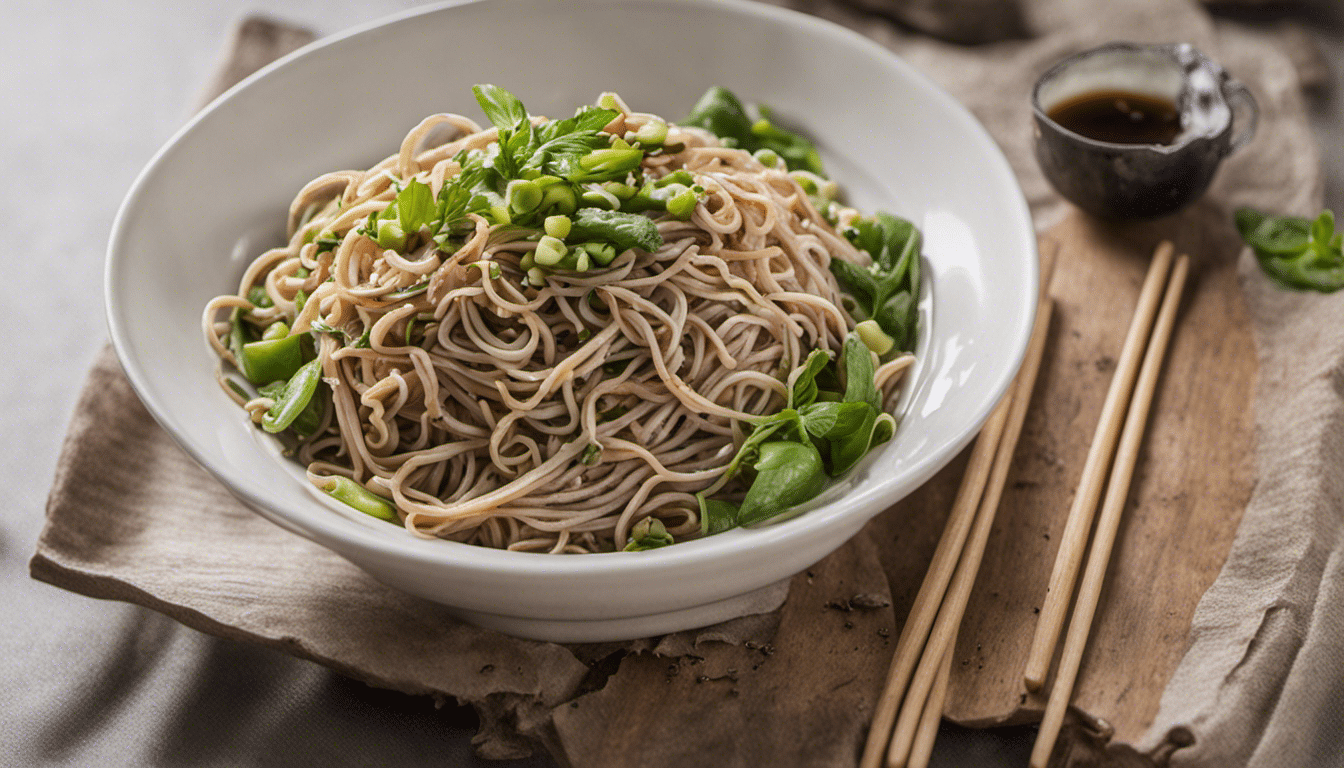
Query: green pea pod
[
  {"x": 273, "y": 360},
  {"x": 294, "y": 398},
  {"x": 349, "y": 492},
  {"x": 276, "y": 330},
  {"x": 787, "y": 474},
  {"x": 310, "y": 418}
]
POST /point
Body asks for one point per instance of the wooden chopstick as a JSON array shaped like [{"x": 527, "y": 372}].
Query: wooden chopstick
[
  {"x": 1073, "y": 542},
  {"x": 930, "y": 596},
  {"x": 945, "y": 557},
  {"x": 1108, "y": 522},
  {"x": 927, "y": 732},
  {"x": 959, "y": 591}
]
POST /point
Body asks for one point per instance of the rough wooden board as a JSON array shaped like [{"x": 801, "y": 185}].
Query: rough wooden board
[
  {"x": 1193, "y": 479},
  {"x": 790, "y": 703}
]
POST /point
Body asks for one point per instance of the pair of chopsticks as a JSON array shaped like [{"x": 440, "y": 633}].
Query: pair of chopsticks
[
  {"x": 1129, "y": 399},
  {"x": 906, "y": 720}
]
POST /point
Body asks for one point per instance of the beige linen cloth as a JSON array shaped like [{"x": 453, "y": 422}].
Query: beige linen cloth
[{"x": 131, "y": 517}]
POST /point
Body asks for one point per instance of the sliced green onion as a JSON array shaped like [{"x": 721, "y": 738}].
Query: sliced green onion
[
  {"x": 523, "y": 196},
  {"x": 652, "y": 133},
  {"x": 682, "y": 204},
  {"x": 391, "y": 235},
  {"x": 259, "y": 297},
  {"x": 349, "y": 492},
  {"x": 583, "y": 263},
  {"x": 601, "y": 253},
  {"x": 550, "y": 250},
  {"x": 559, "y": 198},
  {"x": 612, "y": 160},
  {"x": 620, "y": 191},
  {"x": 767, "y": 157},
  {"x": 558, "y": 226},
  {"x": 682, "y": 177},
  {"x": 601, "y": 198},
  {"x": 874, "y": 338}
]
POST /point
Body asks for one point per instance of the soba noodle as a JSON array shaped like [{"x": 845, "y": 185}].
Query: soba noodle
[{"x": 550, "y": 417}]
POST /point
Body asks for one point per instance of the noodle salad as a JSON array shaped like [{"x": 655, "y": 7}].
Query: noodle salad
[{"x": 587, "y": 334}]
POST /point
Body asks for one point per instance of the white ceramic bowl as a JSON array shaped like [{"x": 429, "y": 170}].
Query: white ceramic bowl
[{"x": 217, "y": 193}]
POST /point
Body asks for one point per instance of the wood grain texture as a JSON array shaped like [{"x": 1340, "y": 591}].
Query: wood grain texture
[{"x": 1193, "y": 478}]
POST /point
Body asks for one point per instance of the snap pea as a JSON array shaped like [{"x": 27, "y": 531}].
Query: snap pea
[
  {"x": 276, "y": 330},
  {"x": 293, "y": 398},
  {"x": 349, "y": 492},
  {"x": 262, "y": 362}
]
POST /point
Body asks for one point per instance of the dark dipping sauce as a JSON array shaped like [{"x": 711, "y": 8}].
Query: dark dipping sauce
[{"x": 1121, "y": 117}]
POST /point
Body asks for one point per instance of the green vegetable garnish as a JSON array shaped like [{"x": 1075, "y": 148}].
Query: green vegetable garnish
[
  {"x": 294, "y": 397},
  {"x": 649, "y": 533},
  {"x": 623, "y": 230},
  {"x": 1295, "y": 253},
  {"x": 721, "y": 113},
  {"x": 887, "y": 291},
  {"x": 348, "y": 491},
  {"x": 822, "y": 433}
]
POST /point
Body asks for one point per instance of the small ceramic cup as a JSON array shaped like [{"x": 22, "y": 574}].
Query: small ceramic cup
[{"x": 1113, "y": 180}]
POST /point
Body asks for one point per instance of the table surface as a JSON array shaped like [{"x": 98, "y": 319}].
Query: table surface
[{"x": 87, "y": 97}]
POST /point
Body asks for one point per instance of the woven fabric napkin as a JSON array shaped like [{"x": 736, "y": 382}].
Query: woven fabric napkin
[{"x": 131, "y": 517}]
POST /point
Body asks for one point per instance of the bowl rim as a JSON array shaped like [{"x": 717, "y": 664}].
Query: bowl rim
[{"x": 336, "y": 532}]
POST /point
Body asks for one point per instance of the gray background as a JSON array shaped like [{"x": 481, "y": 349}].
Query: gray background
[{"x": 88, "y": 92}]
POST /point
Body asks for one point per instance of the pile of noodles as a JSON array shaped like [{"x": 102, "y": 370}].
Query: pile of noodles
[{"x": 553, "y": 418}]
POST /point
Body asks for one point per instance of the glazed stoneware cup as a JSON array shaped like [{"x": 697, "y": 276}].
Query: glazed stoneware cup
[{"x": 1115, "y": 180}]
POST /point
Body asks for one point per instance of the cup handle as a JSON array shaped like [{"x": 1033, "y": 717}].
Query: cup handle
[{"x": 1243, "y": 103}]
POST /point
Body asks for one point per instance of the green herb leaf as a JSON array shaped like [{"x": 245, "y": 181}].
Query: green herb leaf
[
  {"x": 887, "y": 290},
  {"x": 720, "y": 112},
  {"x": 1296, "y": 253},
  {"x": 859, "y": 386},
  {"x": 804, "y": 389},
  {"x": 716, "y": 515},
  {"x": 832, "y": 421},
  {"x": 415, "y": 206},
  {"x": 624, "y": 230},
  {"x": 847, "y": 450},
  {"x": 500, "y": 107},
  {"x": 787, "y": 474}
]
